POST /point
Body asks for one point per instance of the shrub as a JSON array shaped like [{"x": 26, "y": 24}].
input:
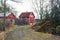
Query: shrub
[
  {"x": 48, "y": 26},
  {"x": 58, "y": 30}
]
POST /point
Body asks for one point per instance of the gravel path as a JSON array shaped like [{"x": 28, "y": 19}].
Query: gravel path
[{"x": 25, "y": 34}]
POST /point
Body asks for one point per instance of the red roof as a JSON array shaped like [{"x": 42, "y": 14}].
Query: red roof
[
  {"x": 25, "y": 14},
  {"x": 11, "y": 16}
]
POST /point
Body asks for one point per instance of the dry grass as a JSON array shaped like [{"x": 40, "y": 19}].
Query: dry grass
[
  {"x": 43, "y": 35},
  {"x": 2, "y": 34},
  {"x": 10, "y": 28}
]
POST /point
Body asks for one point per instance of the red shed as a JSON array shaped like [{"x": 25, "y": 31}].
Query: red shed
[
  {"x": 27, "y": 17},
  {"x": 9, "y": 17}
]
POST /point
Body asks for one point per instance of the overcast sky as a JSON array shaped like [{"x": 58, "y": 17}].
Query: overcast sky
[{"x": 22, "y": 6}]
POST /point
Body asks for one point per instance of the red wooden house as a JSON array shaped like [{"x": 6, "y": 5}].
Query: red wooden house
[
  {"x": 27, "y": 17},
  {"x": 9, "y": 17}
]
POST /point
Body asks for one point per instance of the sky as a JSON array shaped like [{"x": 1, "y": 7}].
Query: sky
[
  {"x": 25, "y": 6},
  {"x": 22, "y": 6}
]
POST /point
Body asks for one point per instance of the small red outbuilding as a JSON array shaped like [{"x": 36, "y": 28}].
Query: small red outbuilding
[{"x": 9, "y": 17}]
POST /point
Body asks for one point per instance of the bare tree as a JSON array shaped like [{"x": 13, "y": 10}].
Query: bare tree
[
  {"x": 38, "y": 8},
  {"x": 55, "y": 10},
  {"x": 2, "y": 7},
  {"x": 47, "y": 14}
]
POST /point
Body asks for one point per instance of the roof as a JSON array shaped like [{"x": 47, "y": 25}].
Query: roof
[
  {"x": 25, "y": 14},
  {"x": 7, "y": 14},
  {"x": 11, "y": 14}
]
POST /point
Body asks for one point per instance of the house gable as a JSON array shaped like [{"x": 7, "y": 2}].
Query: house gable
[
  {"x": 11, "y": 16},
  {"x": 8, "y": 16},
  {"x": 25, "y": 14}
]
